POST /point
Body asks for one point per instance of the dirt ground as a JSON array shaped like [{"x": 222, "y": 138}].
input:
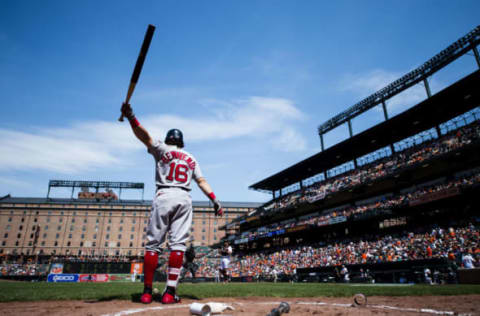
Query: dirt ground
[{"x": 376, "y": 305}]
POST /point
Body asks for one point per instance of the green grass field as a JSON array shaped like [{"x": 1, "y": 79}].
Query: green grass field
[{"x": 40, "y": 291}]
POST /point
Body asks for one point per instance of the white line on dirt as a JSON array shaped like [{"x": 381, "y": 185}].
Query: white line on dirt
[
  {"x": 139, "y": 310},
  {"x": 405, "y": 309},
  {"x": 418, "y": 310}
]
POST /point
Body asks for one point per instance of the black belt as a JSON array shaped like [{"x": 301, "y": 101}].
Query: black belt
[{"x": 159, "y": 187}]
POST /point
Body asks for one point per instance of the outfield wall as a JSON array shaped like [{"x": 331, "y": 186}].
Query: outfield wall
[
  {"x": 469, "y": 276},
  {"x": 97, "y": 278}
]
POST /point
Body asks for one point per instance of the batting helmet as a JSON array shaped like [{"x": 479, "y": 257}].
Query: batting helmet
[{"x": 174, "y": 137}]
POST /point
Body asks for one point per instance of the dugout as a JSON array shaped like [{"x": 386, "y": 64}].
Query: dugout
[
  {"x": 384, "y": 272},
  {"x": 469, "y": 276}
]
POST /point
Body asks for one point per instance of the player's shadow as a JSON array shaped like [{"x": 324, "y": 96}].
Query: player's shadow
[
  {"x": 110, "y": 298},
  {"x": 105, "y": 299}
]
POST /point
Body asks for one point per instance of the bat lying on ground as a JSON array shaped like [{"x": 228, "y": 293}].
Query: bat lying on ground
[
  {"x": 139, "y": 63},
  {"x": 282, "y": 308}
]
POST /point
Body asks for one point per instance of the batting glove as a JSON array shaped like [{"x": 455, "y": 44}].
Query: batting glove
[
  {"x": 218, "y": 208},
  {"x": 127, "y": 111}
]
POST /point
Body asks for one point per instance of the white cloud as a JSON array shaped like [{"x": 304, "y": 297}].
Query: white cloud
[
  {"x": 24, "y": 151},
  {"x": 90, "y": 145},
  {"x": 111, "y": 134},
  {"x": 255, "y": 116},
  {"x": 289, "y": 140}
]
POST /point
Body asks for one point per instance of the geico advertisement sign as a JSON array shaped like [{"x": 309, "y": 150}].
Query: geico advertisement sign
[{"x": 62, "y": 278}]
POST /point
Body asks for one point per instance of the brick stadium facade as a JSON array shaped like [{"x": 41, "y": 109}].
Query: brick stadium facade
[{"x": 89, "y": 227}]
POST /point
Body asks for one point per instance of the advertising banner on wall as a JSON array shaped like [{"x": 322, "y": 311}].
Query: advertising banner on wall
[
  {"x": 336, "y": 220},
  {"x": 85, "y": 278},
  {"x": 56, "y": 268},
  {"x": 93, "y": 277},
  {"x": 438, "y": 195},
  {"x": 136, "y": 268},
  {"x": 121, "y": 278},
  {"x": 297, "y": 228},
  {"x": 317, "y": 197},
  {"x": 241, "y": 241},
  {"x": 101, "y": 277},
  {"x": 62, "y": 278}
]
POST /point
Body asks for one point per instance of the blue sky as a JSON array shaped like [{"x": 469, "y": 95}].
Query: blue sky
[{"x": 248, "y": 82}]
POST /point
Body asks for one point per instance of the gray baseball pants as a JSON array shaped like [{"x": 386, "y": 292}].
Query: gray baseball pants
[{"x": 171, "y": 214}]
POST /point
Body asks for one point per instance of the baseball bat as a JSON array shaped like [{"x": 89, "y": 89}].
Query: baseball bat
[
  {"x": 139, "y": 63},
  {"x": 284, "y": 307}
]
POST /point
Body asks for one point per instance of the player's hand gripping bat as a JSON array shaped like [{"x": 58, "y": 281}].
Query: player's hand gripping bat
[{"x": 139, "y": 64}]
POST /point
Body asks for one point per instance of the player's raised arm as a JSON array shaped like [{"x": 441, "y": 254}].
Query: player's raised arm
[
  {"x": 207, "y": 190},
  {"x": 139, "y": 131}
]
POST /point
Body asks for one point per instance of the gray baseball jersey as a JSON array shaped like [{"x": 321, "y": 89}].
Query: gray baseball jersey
[
  {"x": 172, "y": 207},
  {"x": 175, "y": 167}
]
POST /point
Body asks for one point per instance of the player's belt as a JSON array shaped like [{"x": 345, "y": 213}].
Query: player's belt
[{"x": 160, "y": 187}]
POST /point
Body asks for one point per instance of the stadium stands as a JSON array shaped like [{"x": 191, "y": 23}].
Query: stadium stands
[
  {"x": 388, "y": 166},
  {"x": 386, "y": 205},
  {"x": 395, "y": 200},
  {"x": 437, "y": 242}
]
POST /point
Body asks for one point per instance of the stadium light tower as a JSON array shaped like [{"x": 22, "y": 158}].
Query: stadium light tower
[
  {"x": 96, "y": 185},
  {"x": 457, "y": 49}
]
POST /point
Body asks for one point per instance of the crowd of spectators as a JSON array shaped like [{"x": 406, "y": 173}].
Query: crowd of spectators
[
  {"x": 460, "y": 245},
  {"x": 20, "y": 269},
  {"x": 380, "y": 168},
  {"x": 382, "y": 203},
  {"x": 23, "y": 265},
  {"x": 96, "y": 258},
  {"x": 451, "y": 243}
]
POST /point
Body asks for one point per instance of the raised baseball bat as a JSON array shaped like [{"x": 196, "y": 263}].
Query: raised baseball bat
[{"x": 139, "y": 63}]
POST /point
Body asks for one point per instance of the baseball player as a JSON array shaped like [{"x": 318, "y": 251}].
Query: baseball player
[
  {"x": 345, "y": 274},
  {"x": 225, "y": 252},
  {"x": 172, "y": 206},
  {"x": 468, "y": 261},
  {"x": 188, "y": 264}
]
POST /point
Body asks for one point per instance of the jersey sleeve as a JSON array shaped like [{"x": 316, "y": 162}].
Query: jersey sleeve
[
  {"x": 197, "y": 173},
  {"x": 157, "y": 149}
]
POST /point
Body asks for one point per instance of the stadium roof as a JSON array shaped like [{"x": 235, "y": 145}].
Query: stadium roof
[
  {"x": 452, "y": 101},
  {"x": 445, "y": 57}
]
